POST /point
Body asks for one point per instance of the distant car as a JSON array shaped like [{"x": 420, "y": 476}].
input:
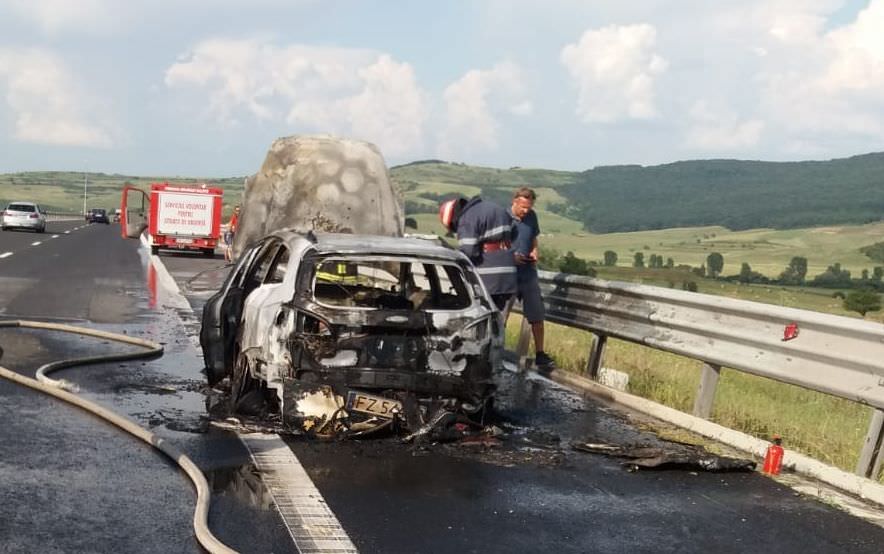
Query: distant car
[
  {"x": 23, "y": 215},
  {"x": 352, "y": 330},
  {"x": 97, "y": 215}
]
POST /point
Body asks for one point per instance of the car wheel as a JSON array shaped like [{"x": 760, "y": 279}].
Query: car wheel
[{"x": 42, "y": 229}]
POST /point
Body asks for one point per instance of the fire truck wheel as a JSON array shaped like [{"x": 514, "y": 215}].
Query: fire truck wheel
[{"x": 154, "y": 250}]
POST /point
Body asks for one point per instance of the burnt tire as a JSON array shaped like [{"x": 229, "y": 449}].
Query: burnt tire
[{"x": 246, "y": 394}]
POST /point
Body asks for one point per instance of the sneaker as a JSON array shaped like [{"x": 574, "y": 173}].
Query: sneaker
[{"x": 544, "y": 363}]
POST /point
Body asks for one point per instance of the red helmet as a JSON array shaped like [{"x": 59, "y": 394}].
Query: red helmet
[{"x": 448, "y": 212}]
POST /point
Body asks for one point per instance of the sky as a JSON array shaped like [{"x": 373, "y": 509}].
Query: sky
[{"x": 202, "y": 87}]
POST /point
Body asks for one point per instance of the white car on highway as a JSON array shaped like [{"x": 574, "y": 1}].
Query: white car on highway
[{"x": 23, "y": 215}]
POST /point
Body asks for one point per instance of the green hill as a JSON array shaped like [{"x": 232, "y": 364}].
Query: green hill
[
  {"x": 63, "y": 190},
  {"x": 734, "y": 194},
  {"x": 731, "y": 193}
]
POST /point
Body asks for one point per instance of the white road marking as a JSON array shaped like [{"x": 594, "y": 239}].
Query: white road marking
[
  {"x": 38, "y": 243},
  {"x": 5, "y": 255},
  {"x": 310, "y": 521},
  {"x": 54, "y": 236},
  {"x": 67, "y": 232}
]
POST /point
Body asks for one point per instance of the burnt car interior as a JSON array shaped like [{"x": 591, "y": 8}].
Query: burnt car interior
[{"x": 395, "y": 285}]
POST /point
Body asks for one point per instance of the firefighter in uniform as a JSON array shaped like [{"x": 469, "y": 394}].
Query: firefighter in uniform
[
  {"x": 484, "y": 234},
  {"x": 338, "y": 272}
]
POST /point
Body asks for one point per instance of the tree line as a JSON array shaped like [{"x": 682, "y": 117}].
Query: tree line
[
  {"x": 732, "y": 193},
  {"x": 863, "y": 295}
]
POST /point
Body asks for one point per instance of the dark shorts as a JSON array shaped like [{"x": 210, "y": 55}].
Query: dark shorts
[
  {"x": 501, "y": 300},
  {"x": 228, "y": 238},
  {"x": 532, "y": 299}
]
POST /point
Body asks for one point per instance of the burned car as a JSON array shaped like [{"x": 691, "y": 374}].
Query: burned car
[{"x": 336, "y": 333}]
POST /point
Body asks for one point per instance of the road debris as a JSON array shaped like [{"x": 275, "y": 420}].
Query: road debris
[{"x": 669, "y": 455}]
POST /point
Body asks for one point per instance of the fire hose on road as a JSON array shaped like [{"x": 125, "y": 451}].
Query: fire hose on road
[{"x": 55, "y": 388}]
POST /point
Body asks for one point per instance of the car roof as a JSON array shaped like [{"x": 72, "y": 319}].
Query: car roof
[
  {"x": 344, "y": 243},
  {"x": 23, "y": 202}
]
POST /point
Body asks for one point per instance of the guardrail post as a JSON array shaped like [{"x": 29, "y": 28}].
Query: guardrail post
[
  {"x": 706, "y": 390},
  {"x": 596, "y": 354},
  {"x": 869, "y": 462},
  {"x": 523, "y": 344}
]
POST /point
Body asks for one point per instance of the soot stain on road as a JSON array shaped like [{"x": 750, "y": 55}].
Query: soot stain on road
[{"x": 242, "y": 483}]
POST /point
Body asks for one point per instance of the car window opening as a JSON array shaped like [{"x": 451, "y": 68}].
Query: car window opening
[{"x": 390, "y": 284}]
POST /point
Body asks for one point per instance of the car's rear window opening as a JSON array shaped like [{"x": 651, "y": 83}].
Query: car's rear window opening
[
  {"x": 21, "y": 208},
  {"x": 390, "y": 284}
]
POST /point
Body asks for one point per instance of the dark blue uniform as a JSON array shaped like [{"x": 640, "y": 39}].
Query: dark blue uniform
[{"x": 484, "y": 233}]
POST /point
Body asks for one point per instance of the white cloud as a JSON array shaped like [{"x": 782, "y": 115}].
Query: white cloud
[
  {"x": 858, "y": 53},
  {"x": 721, "y": 129},
  {"x": 472, "y": 104},
  {"x": 48, "y": 104},
  {"x": 522, "y": 108},
  {"x": 614, "y": 68},
  {"x": 833, "y": 86},
  {"x": 333, "y": 90},
  {"x": 52, "y": 16}
]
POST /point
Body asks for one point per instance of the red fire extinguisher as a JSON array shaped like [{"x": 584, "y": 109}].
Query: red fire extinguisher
[{"x": 773, "y": 459}]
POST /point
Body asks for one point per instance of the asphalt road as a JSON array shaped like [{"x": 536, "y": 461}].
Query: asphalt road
[
  {"x": 68, "y": 483},
  {"x": 533, "y": 493}
]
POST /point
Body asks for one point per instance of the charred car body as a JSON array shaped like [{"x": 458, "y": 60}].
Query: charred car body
[{"x": 337, "y": 333}]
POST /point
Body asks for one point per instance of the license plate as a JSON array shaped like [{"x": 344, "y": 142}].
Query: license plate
[
  {"x": 374, "y": 405},
  {"x": 184, "y": 241}
]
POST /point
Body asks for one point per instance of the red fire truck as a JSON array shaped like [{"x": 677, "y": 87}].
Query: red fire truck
[{"x": 177, "y": 217}]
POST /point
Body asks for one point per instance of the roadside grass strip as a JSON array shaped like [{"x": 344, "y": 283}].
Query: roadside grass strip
[{"x": 818, "y": 425}]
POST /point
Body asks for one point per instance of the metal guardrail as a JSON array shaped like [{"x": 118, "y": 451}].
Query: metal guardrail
[
  {"x": 836, "y": 355},
  {"x": 63, "y": 216}
]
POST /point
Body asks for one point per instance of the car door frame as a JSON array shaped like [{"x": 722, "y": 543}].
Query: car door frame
[
  {"x": 235, "y": 298},
  {"x": 211, "y": 333}
]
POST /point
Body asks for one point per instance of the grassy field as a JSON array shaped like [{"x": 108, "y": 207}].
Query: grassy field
[
  {"x": 768, "y": 251},
  {"x": 826, "y": 428},
  {"x": 807, "y": 298},
  {"x": 823, "y": 427},
  {"x": 63, "y": 191}
]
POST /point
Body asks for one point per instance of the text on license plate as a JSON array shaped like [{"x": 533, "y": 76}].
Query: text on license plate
[
  {"x": 184, "y": 241},
  {"x": 371, "y": 404}
]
